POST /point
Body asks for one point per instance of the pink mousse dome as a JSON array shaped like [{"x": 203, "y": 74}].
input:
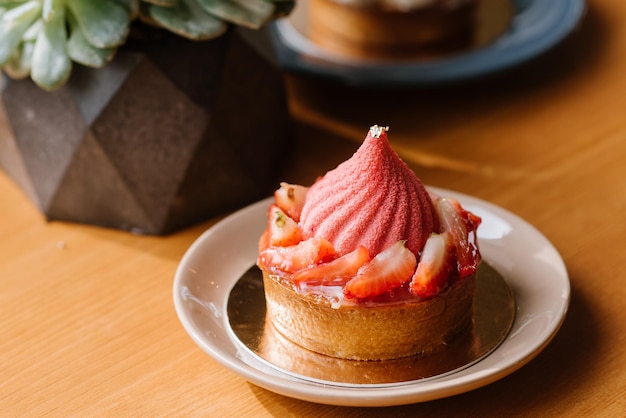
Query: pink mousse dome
[{"x": 373, "y": 199}]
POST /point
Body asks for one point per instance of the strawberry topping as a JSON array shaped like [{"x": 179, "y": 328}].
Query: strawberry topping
[
  {"x": 390, "y": 269},
  {"x": 336, "y": 272},
  {"x": 372, "y": 205},
  {"x": 297, "y": 257},
  {"x": 290, "y": 198},
  {"x": 462, "y": 226},
  {"x": 283, "y": 230},
  {"x": 436, "y": 265}
]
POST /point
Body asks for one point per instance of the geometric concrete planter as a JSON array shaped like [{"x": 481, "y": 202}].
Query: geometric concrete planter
[{"x": 168, "y": 134}]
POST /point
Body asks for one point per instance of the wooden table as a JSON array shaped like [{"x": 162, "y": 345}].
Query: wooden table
[{"x": 88, "y": 326}]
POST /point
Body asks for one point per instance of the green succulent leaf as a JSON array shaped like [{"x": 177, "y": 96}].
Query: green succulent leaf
[
  {"x": 8, "y": 4},
  {"x": 132, "y": 6},
  {"x": 50, "y": 7},
  {"x": 51, "y": 66},
  {"x": 104, "y": 23},
  {"x": 249, "y": 13},
  {"x": 82, "y": 52},
  {"x": 13, "y": 23},
  {"x": 33, "y": 31},
  {"x": 165, "y": 3},
  {"x": 187, "y": 19},
  {"x": 16, "y": 11},
  {"x": 44, "y": 37},
  {"x": 19, "y": 65}
]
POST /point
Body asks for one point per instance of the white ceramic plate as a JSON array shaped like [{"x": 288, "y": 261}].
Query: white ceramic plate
[
  {"x": 529, "y": 263},
  {"x": 537, "y": 26}
]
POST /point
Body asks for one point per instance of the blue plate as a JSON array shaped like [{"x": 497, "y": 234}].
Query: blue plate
[{"x": 537, "y": 25}]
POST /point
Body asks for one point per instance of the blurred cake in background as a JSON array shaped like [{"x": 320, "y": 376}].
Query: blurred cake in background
[{"x": 392, "y": 28}]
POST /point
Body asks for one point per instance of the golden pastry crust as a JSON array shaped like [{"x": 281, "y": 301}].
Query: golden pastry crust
[
  {"x": 377, "y": 332},
  {"x": 280, "y": 351}
]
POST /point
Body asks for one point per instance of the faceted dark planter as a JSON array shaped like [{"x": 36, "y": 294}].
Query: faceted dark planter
[{"x": 170, "y": 133}]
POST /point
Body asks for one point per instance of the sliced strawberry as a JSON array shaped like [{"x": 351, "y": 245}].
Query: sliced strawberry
[
  {"x": 435, "y": 266},
  {"x": 283, "y": 231},
  {"x": 297, "y": 257},
  {"x": 388, "y": 270},
  {"x": 336, "y": 272},
  {"x": 461, "y": 225},
  {"x": 290, "y": 198}
]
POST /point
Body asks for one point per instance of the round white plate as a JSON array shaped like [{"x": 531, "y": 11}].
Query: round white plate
[
  {"x": 529, "y": 263},
  {"x": 537, "y": 26}
]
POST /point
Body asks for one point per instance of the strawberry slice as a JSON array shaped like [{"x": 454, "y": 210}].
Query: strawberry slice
[
  {"x": 390, "y": 269},
  {"x": 336, "y": 272},
  {"x": 283, "y": 231},
  {"x": 290, "y": 259},
  {"x": 462, "y": 225},
  {"x": 435, "y": 266},
  {"x": 290, "y": 198}
]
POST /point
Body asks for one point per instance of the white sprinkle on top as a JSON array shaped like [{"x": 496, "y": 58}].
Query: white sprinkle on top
[{"x": 376, "y": 130}]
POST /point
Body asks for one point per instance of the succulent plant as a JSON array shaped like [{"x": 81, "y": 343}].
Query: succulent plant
[{"x": 43, "y": 38}]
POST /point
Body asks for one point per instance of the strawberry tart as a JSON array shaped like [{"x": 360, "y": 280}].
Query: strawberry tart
[
  {"x": 366, "y": 264},
  {"x": 392, "y": 28}
]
